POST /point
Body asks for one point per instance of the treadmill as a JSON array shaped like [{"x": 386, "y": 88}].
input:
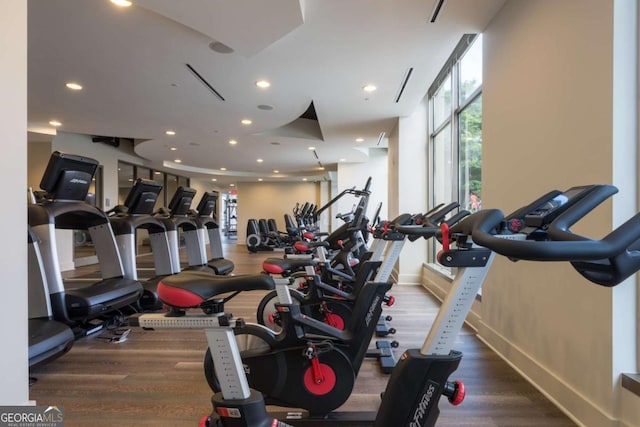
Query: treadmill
[
  {"x": 182, "y": 222},
  {"x": 208, "y": 226},
  {"x": 48, "y": 338},
  {"x": 66, "y": 181},
  {"x": 137, "y": 213}
]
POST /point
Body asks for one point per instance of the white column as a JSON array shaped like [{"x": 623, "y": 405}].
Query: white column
[{"x": 14, "y": 369}]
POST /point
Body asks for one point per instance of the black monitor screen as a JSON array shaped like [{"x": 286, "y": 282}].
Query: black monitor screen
[
  {"x": 142, "y": 197},
  {"x": 207, "y": 204},
  {"x": 68, "y": 177},
  {"x": 180, "y": 203}
]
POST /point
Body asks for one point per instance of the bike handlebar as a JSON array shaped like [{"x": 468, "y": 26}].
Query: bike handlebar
[{"x": 606, "y": 262}]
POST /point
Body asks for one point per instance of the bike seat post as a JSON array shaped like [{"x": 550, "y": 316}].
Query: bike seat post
[{"x": 282, "y": 290}]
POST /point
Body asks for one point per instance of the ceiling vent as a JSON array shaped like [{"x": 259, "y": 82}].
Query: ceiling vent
[
  {"x": 405, "y": 80},
  {"x": 436, "y": 11},
  {"x": 380, "y": 139},
  {"x": 202, "y": 80}
]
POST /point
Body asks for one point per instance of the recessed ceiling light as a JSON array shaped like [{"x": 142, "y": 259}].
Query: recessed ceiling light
[
  {"x": 170, "y": 132},
  {"x": 178, "y": 161},
  {"x": 259, "y": 179},
  {"x": 259, "y": 160},
  {"x": 311, "y": 148},
  {"x": 359, "y": 139},
  {"x": 232, "y": 185},
  {"x": 130, "y": 179},
  {"x": 246, "y": 121},
  {"x": 304, "y": 179},
  {"x": 214, "y": 179},
  {"x": 223, "y": 169},
  {"x": 173, "y": 149},
  {"x": 369, "y": 88},
  {"x": 158, "y": 173},
  {"x": 121, "y": 3},
  {"x": 233, "y": 142},
  {"x": 263, "y": 84},
  {"x": 55, "y": 123},
  {"x": 73, "y": 86},
  {"x": 321, "y": 168},
  {"x": 343, "y": 160},
  {"x": 276, "y": 171}
]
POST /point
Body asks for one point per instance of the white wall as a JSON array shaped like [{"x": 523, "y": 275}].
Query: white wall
[
  {"x": 14, "y": 370},
  {"x": 356, "y": 175},
  {"x": 407, "y": 164},
  {"x": 271, "y": 200},
  {"x": 38, "y": 153},
  {"x": 547, "y": 124}
]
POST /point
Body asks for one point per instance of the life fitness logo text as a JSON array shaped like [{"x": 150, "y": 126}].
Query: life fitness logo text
[
  {"x": 369, "y": 316},
  {"x": 423, "y": 406}
]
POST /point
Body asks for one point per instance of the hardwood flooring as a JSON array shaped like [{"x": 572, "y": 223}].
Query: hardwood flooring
[{"x": 155, "y": 378}]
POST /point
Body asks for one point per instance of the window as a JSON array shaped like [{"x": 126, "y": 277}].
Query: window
[
  {"x": 158, "y": 178},
  {"x": 127, "y": 173},
  {"x": 455, "y": 123}
]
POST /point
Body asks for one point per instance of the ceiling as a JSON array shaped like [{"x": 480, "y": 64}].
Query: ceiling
[{"x": 190, "y": 66}]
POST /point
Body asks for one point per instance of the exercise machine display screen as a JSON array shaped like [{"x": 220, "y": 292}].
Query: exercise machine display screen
[
  {"x": 180, "y": 203},
  {"x": 142, "y": 197},
  {"x": 207, "y": 204},
  {"x": 68, "y": 177},
  {"x": 549, "y": 210}
]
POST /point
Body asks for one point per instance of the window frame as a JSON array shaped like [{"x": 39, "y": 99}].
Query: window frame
[{"x": 451, "y": 69}]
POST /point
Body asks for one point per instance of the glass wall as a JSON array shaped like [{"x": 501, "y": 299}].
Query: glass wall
[
  {"x": 455, "y": 123},
  {"x": 127, "y": 173}
]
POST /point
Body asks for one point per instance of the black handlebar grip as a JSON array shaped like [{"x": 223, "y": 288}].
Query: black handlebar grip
[
  {"x": 439, "y": 215},
  {"x": 367, "y": 185},
  {"x": 559, "y": 228}
]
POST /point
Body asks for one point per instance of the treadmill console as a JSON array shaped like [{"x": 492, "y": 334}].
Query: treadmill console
[
  {"x": 142, "y": 197},
  {"x": 180, "y": 203},
  {"x": 207, "y": 204},
  {"x": 68, "y": 177}
]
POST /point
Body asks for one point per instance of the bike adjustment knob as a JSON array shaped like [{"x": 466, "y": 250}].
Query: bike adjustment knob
[{"x": 454, "y": 391}]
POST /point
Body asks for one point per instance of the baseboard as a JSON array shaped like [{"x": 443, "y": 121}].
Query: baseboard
[
  {"x": 571, "y": 403},
  {"x": 408, "y": 279},
  {"x": 576, "y": 406}
]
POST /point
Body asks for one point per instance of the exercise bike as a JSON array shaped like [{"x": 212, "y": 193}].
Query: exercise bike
[
  {"x": 333, "y": 303},
  {"x": 538, "y": 231}
]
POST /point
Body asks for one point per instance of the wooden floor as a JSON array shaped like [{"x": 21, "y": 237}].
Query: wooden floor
[{"x": 155, "y": 378}]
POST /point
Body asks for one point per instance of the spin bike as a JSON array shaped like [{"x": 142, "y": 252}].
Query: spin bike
[
  {"x": 539, "y": 231},
  {"x": 333, "y": 303}
]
